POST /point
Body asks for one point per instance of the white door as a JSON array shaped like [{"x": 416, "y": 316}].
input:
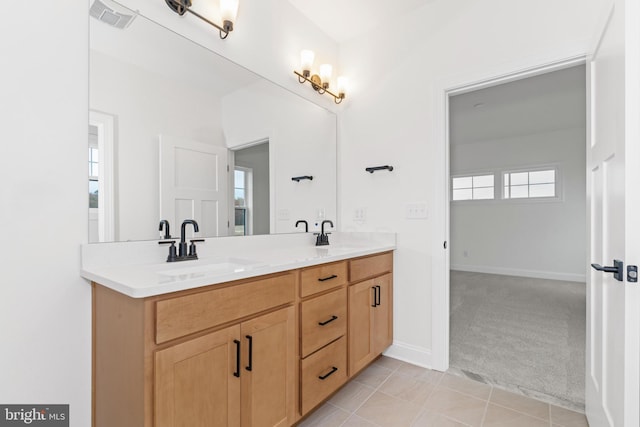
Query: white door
[
  {"x": 193, "y": 185},
  {"x": 613, "y": 329}
]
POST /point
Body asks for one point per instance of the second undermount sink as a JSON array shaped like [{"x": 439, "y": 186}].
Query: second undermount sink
[{"x": 212, "y": 267}]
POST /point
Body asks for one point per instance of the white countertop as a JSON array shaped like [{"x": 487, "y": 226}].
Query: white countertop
[{"x": 139, "y": 269}]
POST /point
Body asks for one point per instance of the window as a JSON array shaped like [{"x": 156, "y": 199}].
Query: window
[
  {"x": 477, "y": 187},
  {"x": 530, "y": 184},
  {"x": 93, "y": 177},
  {"x": 242, "y": 179}
]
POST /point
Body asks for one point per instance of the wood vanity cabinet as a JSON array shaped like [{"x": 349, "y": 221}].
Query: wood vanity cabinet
[
  {"x": 323, "y": 320},
  {"x": 218, "y": 356},
  {"x": 259, "y": 352},
  {"x": 370, "y": 309}
]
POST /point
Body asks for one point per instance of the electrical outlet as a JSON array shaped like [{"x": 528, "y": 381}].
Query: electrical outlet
[
  {"x": 416, "y": 211},
  {"x": 360, "y": 215}
]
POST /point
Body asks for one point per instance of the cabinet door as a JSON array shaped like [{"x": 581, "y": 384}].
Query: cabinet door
[
  {"x": 361, "y": 349},
  {"x": 268, "y": 369},
  {"x": 382, "y": 315},
  {"x": 195, "y": 384}
]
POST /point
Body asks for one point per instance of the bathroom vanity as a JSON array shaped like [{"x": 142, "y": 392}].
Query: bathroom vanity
[{"x": 257, "y": 339}]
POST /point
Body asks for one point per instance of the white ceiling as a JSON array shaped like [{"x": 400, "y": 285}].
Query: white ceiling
[
  {"x": 343, "y": 20},
  {"x": 537, "y": 104}
]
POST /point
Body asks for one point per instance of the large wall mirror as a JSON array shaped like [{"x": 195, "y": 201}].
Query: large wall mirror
[{"x": 178, "y": 132}]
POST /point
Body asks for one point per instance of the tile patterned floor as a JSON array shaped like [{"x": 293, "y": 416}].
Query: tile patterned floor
[{"x": 391, "y": 393}]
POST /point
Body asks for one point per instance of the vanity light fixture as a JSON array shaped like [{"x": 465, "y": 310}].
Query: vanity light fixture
[
  {"x": 320, "y": 83},
  {"x": 228, "y": 12}
]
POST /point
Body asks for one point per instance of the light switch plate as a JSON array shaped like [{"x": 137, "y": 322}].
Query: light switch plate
[
  {"x": 283, "y": 215},
  {"x": 416, "y": 211}
]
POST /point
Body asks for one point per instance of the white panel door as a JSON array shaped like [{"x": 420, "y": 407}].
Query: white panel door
[
  {"x": 193, "y": 185},
  {"x": 613, "y": 329}
]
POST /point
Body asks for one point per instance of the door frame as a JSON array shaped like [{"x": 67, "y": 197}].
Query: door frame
[{"x": 441, "y": 255}]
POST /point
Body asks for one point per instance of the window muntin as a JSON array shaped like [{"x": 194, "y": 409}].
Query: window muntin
[
  {"x": 475, "y": 187},
  {"x": 93, "y": 177},
  {"x": 530, "y": 184}
]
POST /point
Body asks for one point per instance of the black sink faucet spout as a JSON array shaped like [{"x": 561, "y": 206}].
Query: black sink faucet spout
[
  {"x": 164, "y": 223},
  {"x": 182, "y": 248},
  {"x": 323, "y": 238},
  {"x": 306, "y": 225}
]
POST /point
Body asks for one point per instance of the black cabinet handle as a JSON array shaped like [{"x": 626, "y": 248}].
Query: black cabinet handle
[
  {"x": 237, "y": 372},
  {"x": 326, "y": 322},
  {"x": 328, "y": 374},
  {"x": 250, "y": 365},
  {"x": 379, "y": 293},
  {"x": 333, "y": 276},
  {"x": 375, "y": 296}
]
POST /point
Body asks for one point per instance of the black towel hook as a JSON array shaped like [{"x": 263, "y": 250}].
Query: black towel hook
[
  {"x": 379, "y": 168},
  {"x": 299, "y": 178}
]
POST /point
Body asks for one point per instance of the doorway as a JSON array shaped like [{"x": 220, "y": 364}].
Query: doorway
[
  {"x": 251, "y": 190},
  {"x": 518, "y": 234}
]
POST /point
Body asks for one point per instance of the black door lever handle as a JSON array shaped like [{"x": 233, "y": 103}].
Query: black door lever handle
[{"x": 617, "y": 269}]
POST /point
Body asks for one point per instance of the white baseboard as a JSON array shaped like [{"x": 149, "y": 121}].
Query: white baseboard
[
  {"x": 550, "y": 275},
  {"x": 409, "y": 353}
]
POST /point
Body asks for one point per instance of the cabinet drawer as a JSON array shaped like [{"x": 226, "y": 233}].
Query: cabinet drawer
[
  {"x": 323, "y": 373},
  {"x": 323, "y": 277},
  {"x": 323, "y": 320},
  {"x": 363, "y": 268},
  {"x": 180, "y": 316}
]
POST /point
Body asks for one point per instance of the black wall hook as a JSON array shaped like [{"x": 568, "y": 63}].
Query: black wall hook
[
  {"x": 299, "y": 178},
  {"x": 379, "y": 168}
]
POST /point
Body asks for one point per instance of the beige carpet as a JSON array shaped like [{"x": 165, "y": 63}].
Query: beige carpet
[{"x": 525, "y": 335}]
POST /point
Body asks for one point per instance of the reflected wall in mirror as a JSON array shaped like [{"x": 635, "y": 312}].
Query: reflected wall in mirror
[{"x": 171, "y": 126}]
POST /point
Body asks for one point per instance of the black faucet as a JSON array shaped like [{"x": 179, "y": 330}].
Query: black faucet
[
  {"x": 306, "y": 225},
  {"x": 323, "y": 238},
  {"x": 183, "y": 254},
  {"x": 182, "y": 248},
  {"x": 165, "y": 223}
]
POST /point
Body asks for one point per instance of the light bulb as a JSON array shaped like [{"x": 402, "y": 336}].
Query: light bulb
[
  {"x": 342, "y": 84},
  {"x": 325, "y": 73},
  {"x": 306, "y": 60},
  {"x": 229, "y": 10}
]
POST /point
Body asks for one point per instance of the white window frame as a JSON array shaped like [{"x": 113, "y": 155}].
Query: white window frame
[
  {"x": 106, "y": 209},
  {"x": 248, "y": 188},
  {"x": 472, "y": 174},
  {"x": 558, "y": 183}
]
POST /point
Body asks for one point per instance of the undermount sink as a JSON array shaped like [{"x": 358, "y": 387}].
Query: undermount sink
[{"x": 211, "y": 267}]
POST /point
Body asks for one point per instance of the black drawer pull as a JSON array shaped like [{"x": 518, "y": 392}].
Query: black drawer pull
[
  {"x": 375, "y": 296},
  {"x": 327, "y": 375},
  {"x": 249, "y": 367},
  {"x": 333, "y": 276},
  {"x": 237, "y": 372},
  {"x": 379, "y": 293},
  {"x": 326, "y": 322}
]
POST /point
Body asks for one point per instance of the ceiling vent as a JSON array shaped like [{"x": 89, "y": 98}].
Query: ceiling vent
[{"x": 108, "y": 15}]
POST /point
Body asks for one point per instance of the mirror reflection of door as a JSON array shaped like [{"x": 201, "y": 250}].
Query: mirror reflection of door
[
  {"x": 251, "y": 190},
  {"x": 100, "y": 156}
]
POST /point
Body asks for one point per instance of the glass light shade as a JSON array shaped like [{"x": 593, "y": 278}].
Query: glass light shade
[
  {"x": 306, "y": 59},
  {"x": 325, "y": 72},
  {"x": 342, "y": 84},
  {"x": 228, "y": 10}
]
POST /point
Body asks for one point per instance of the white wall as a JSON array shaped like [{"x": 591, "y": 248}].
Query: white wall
[
  {"x": 302, "y": 141},
  {"x": 534, "y": 238},
  {"x": 147, "y": 104},
  {"x": 45, "y": 307},
  {"x": 390, "y": 118}
]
